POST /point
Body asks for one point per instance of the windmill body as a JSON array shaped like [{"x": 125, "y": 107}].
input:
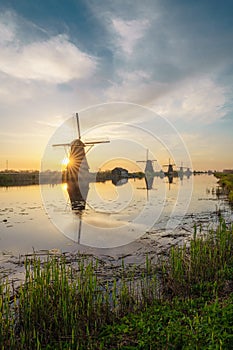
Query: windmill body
[
  {"x": 77, "y": 175},
  {"x": 78, "y": 166},
  {"x": 149, "y": 166},
  {"x": 149, "y": 171}
]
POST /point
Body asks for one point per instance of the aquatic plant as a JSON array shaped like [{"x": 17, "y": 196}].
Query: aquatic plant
[
  {"x": 226, "y": 183},
  {"x": 185, "y": 301},
  {"x": 201, "y": 267}
]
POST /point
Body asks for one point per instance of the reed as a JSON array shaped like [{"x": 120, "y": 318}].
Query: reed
[
  {"x": 226, "y": 183},
  {"x": 203, "y": 266},
  {"x": 62, "y": 305}
]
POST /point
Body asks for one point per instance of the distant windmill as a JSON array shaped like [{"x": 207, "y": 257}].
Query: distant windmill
[
  {"x": 188, "y": 172},
  {"x": 170, "y": 171},
  {"x": 182, "y": 167},
  {"x": 149, "y": 172},
  {"x": 181, "y": 171},
  {"x": 149, "y": 163}
]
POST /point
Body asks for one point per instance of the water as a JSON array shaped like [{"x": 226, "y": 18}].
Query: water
[{"x": 126, "y": 220}]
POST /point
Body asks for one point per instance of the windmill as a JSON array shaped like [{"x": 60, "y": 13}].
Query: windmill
[
  {"x": 188, "y": 172},
  {"x": 77, "y": 170},
  {"x": 149, "y": 171},
  {"x": 78, "y": 165},
  {"x": 170, "y": 171},
  {"x": 181, "y": 171},
  {"x": 149, "y": 163}
]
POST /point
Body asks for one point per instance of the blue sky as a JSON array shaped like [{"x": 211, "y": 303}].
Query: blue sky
[{"x": 173, "y": 57}]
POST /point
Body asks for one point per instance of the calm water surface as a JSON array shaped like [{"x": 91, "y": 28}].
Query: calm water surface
[{"x": 117, "y": 220}]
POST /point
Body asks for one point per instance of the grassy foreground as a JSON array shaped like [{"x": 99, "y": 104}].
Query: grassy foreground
[
  {"x": 184, "y": 302},
  {"x": 226, "y": 182}
]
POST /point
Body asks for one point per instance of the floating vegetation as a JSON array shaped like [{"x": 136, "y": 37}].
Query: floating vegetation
[{"x": 184, "y": 301}]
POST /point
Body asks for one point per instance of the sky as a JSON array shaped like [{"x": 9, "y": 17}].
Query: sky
[{"x": 134, "y": 70}]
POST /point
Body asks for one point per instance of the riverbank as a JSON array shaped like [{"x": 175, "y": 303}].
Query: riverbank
[
  {"x": 34, "y": 177},
  {"x": 226, "y": 183},
  {"x": 19, "y": 178},
  {"x": 68, "y": 302}
]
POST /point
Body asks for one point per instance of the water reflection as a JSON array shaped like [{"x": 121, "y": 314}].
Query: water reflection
[
  {"x": 119, "y": 182},
  {"x": 107, "y": 219},
  {"x": 78, "y": 191},
  {"x": 104, "y": 221},
  {"x": 78, "y": 186},
  {"x": 104, "y": 217},
  {"x": 149, "y": 182},
  {"x": 109, "y": 216}
]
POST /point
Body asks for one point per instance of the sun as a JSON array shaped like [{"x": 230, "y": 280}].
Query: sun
[{"x": 65, "y": 161}]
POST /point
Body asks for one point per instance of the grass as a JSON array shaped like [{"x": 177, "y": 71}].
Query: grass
[
  {"x": 184, "y": 302},
  {"x": 226, "y": 182},
  {"x": 189, "y": 324}
]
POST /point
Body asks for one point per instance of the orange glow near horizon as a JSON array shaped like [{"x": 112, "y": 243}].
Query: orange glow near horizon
[{"x": 22, "y": 164}]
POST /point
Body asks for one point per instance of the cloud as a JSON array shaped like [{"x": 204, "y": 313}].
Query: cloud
[
  {"x": 129, "y": 33},
  {"x": 199, "y": 100},
  {"x": 194, "y": 99},
  {"x": 35, "y": 68},
  {"x": 53, "y": 59},
  {"x": 6, "y": 33},
  {"x": 158, "y": 61},
  {"x": 55, "y": 122},
  {"x": 130, "y": 86}
]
